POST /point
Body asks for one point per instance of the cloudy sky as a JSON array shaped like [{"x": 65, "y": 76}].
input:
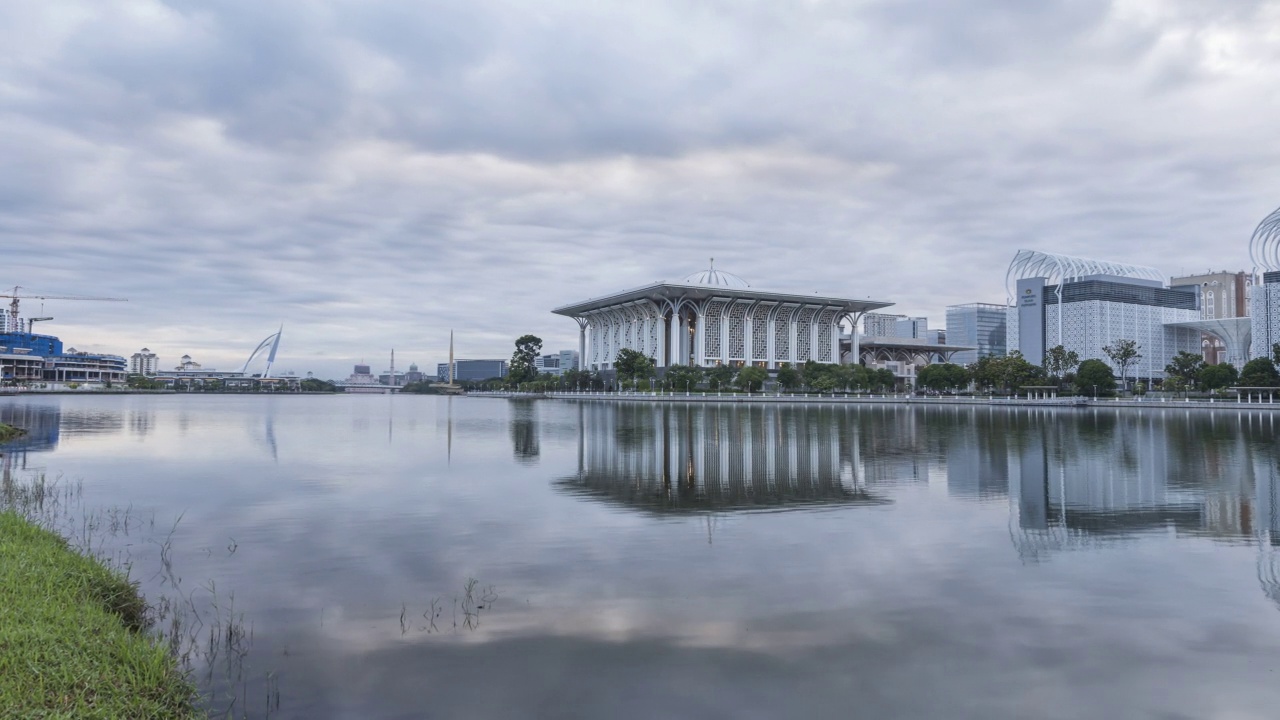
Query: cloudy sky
[{"x": 373, "y": 173}]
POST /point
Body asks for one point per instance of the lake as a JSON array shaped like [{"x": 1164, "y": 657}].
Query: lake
[{"x": 420, "y": 556}]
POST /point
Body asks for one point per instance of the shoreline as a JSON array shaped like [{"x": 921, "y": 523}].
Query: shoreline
[
  {"x": 74, "y": 633},
  {"x": 1071, "y": 403}
]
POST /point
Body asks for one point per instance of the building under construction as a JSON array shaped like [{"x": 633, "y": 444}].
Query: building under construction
[{"x": 27, "y": 359}]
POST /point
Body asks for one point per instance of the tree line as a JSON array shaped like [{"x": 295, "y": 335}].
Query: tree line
[{"x": 1062, "y": 369}]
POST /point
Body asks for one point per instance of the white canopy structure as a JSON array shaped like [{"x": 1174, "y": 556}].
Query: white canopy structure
[
  {"x": 1236, "y": 333},
  {"x": 1063, "y": 268},
  {"x": 1264, "y": 246},
  {"x": 714, "y": 317}
]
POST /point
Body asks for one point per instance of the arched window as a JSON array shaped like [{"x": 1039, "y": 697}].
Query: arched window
[{"x": 1208, "y": 305}]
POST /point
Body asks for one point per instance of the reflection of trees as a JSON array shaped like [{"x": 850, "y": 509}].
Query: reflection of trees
[{"x": 524, "y": 431}]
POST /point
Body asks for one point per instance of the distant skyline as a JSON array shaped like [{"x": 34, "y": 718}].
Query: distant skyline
[{"x": 373, "y": 174}]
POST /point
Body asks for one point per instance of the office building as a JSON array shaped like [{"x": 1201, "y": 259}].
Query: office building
[
  {"x": 569, "y": 360},
  {"x": 979, "y": 325},
  {"x": 881, "y": 324},
  {"x": 1085, "y": 305},
  {"x": 472, "y": 370}
]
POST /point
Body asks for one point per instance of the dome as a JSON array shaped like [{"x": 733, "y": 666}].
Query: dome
[{"x": 719, "y": 278}]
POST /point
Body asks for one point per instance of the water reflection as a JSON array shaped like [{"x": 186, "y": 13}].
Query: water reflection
[
  {"x": 524, "y": 431},
  {"x": 681, "y": 458},
  {"x": 1009, "y": 557}
]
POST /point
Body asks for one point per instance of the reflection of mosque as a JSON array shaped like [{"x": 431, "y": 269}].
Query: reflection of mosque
[{"x": 676, "y": 458}]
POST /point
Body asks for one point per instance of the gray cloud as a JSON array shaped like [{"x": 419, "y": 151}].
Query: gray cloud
[{"x": 373, "y": 174}]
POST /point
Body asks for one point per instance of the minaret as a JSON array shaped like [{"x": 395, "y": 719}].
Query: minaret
[
  {"x": 392, "y": 380},
  {"x": 451, "y": 357}
]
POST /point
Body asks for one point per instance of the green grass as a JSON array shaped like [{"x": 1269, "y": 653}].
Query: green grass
[
  {"x": 9, "y": 432},
  {"x": 72, "y": 640}
]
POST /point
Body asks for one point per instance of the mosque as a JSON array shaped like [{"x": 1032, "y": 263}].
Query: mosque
[{"x": 713, "y": 318}]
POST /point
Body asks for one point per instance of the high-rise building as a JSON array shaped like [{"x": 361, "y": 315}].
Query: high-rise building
[
  {"x": 881, "y": 324},
  {"x": 1222, "y": 295},
  {"x": 979, "y": 325},
  {"x": 911, "y": 327},
  {"x": 569, "y": 360},
  {"x": 144, "y": 362}
]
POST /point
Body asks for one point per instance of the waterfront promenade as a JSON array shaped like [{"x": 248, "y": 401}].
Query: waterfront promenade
[{"x": 1147, "y": 403}]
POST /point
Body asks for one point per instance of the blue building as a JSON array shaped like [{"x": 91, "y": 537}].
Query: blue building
[{"x": 26, "y": 358}]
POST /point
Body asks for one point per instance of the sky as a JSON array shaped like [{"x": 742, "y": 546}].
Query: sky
[{"x": 374, "y": 173}]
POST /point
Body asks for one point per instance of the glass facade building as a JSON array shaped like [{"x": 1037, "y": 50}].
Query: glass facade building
[{"x": 979, "y": 325}]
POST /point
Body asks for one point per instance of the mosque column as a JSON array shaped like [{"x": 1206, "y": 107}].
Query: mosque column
[
  {"x": 699, "y": 338},
  {"x": 835, "y": 336},
  {"x": 792, "y": 357}
]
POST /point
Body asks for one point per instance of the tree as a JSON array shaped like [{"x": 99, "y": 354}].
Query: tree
[
  {"x": 1216, "y": 377},
  {"x": 843, "y": 376},
  {"x": 883, "y": 378},
  {"x": 684, "y": 377},
  {"x": 719, "y": 376},
  {"x": 1005, "y": 373},
  {"x": 788, "y": 378},
  {"x": 317, "y": 385},
  {"x": 1095, "y": 376},
  {"x": 522, "y": 367},
  {"x": 1184, "y": 369},
  {"x": 1260, "y": 372},
  {"x": 633, "y": 365},
  {"x": 751, "y": 378},
  {"x": 1124, "y": 355},
  {"x": 942, "y": 376},
  {"x": 1059, "y": 361}
]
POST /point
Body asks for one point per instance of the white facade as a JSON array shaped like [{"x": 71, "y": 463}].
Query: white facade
[
  {"x": 144, "y": 362},
  {"x": 713, "y": 318},
  {"x": 881, "y": 324},
  {"x": 1264, "y": 310},
  {"x": 1090, "y": 325}
]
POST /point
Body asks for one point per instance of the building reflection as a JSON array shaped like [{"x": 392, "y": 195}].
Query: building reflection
[
  {"x": 694, "y": 458},
  {"x": 1107, "y": 476}
]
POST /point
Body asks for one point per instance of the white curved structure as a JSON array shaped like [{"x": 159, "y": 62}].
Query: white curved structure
[
  {"x": 1235, "y": 333},
  {"x": 1264, "y": 245},
  {"x": 1058, "y": 269},
  {"x": 713, "y": 318},
  {"x": 273, "y": 342}
]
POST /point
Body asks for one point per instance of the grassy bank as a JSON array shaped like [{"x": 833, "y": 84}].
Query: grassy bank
[
  {"x": 71, "y": 636},
  {"x": 9, "y": 432}
]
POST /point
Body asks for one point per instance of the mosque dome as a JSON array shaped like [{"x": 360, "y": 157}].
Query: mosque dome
[{"x": 718, "y": 278}]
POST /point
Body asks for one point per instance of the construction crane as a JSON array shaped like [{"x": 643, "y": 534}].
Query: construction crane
[
  {"x": 15, "y": 297},
  {"x": 31, "y": 323}
]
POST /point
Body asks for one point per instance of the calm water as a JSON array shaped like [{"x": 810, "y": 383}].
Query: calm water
[{"x": 701, "y": 561}]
